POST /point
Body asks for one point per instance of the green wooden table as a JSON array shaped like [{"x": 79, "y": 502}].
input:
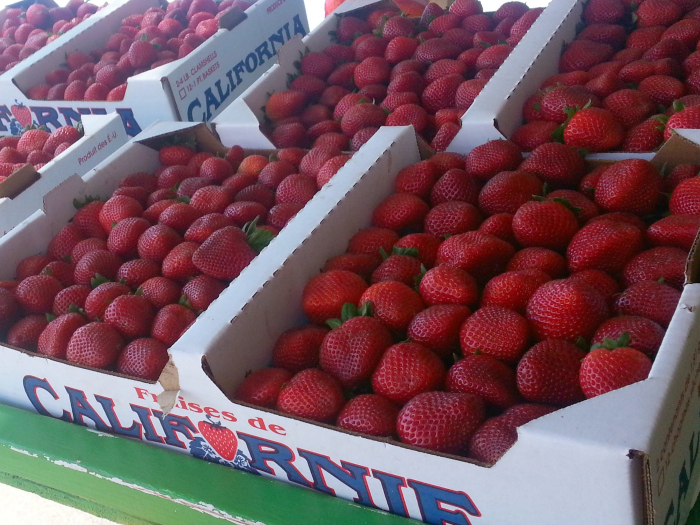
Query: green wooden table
[{"x": 128, "y": 482}]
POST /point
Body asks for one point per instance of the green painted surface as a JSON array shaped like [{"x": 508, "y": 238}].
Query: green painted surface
[
  {"x": 71, "y": 465},
  {"x": 131, "y": 483}
]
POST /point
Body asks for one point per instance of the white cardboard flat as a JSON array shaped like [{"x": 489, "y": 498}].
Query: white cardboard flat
[
  {"x": 627, "y": 457},
  {"x": 104, "y": 134},
  {"x": 194, "y": 88}
]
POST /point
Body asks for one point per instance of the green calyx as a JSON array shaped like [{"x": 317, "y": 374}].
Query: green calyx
[
  {"x": 348, "y": 312},
  {"x": 611, "y": 344}
]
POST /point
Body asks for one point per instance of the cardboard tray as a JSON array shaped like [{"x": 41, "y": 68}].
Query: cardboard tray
[
  {"x": 194, "y": 88},
  {"x": 629, "y": 456},
  {"x": 21, "y": 194}
]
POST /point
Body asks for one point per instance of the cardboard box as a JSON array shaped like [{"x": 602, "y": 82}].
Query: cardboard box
[
  {"x": 195, "y": 88},
  {"x": 498, "y": 110},
  {"x": 22, "y": 193},
  {"x": 629, "y": 456}
]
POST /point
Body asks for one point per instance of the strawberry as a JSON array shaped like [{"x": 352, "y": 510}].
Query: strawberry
[
  {"x": 216, "y": 169},
  {"x": 95, "y": 262},
  {"x": 317, "y": 64},
  {"x": 100, "y": 298},
  {"x": 547, "y": 224},
  {"x": 455, "y": 185},
  {"x": 557, "y": 164},
  {"x": 141, "y": 180},
  {"x": 156, "y": 242},
  {"x": 87, "y": 220},
  {"x": 513, "y": 289},
  {"x": 64, "y": 241},
  {"x": 448, "y": 285},
  {"x": 548, "y": 373},
  {"x": 160, "y": 291},
  {"x": 645, "y": 136},
  {"x": 594, "y": 129},
  {"x": 400, "y": 211},
  {"x": 372, "y": 240},
  {"x": 555, "y": 101},
  {"x": 685, "y": 198},
  {"x": 143, "y": 358},
  {"x": 632, "y": 186},
  {"x": 443, "y": 68},
  {"x": 63, "y": 134},
  {"x": 485, "y": 377},
  {"x": 507, "y": 191},
  {"x": 676, "y": 230},
  {"x": 396, "y": 267},
  {"x": 324, "y": 295},
  {"x": 657, "y": 13},
  {"x": 440, "y": 421},
  {"x": 368, "y": 46},
  {"x": 643, "y": 334},
  {"x": 452, "y": 218},
  {"x": 542, "y": 259},
  {"x": 581, "y": 55},
  {"x": 409, "y": 115},
  {"x": 361, "y": 116},
  {"x": 612, "y": 34},
  {"x": 36, "y": 293},
  {"x": 351, "y": 351},
  {"x": 603, "y": 370},
  {"x": 329, "y": 169},
  {"x": 61, "y": 270},
  {"x": 32, "y": 140},
  {"x": 53, "y": 341},
  {"x": 117, "y": 208},
  {"x": 605, "y": 84},
  {"x": 603, "y": 11},
  {"x": 179, "y": 217},
  {"x": 262, "y": 387},
  {"x": 657, "y": 263},
  {"x": 467, "y": 92},
  {"x": 224, "y": 254},
  {"x": 493, "y": 439},
  {"x": 369, "y": 414},
  {"x": 176, "y": 155},
  {"x": 171, "y": 176},
  {"x": 298, "y": 348},
  {"x": 123, "y": 238},
  {"x": 499, "y": 225},
  {"x": 68, "y": 298},
  {"x": 604, "y": 245},
  {"x": 630, "y": 106},
  {"x": 171, "y": 322},
  {"x": 406, "y": 370},
  {"x": 491, "y": 158},
  {"x": 600, "y": 281},
  {"x": 483, "y": 256},
  {"x": 131, "y": 315},
  {"x": 312, "y": 394},
  {"x": 437, "y": 328},
  {"x": 285, "y": 104},
  {"x": 435, "y": 49},
  {"x": 650, "y": 299},
  {"x": 485, "y": 332},
  {"x": 134, "y": 272},
  {"x": 393, "y": 303},
  {"x": 178, "y": 264},
  {"x": 426, "y": 245},
  {"x": 662, "y": 89},
  {"x": 95, "y": 345},
  {"x": 678, "y": 174},
  {"x": 25, "y": 333},
  {"x": 441, "y": 93}
]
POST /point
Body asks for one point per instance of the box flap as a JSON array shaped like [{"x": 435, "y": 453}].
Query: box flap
[
  {"x": 156, "y": 134},
  {"x": 19, "y": 181}
]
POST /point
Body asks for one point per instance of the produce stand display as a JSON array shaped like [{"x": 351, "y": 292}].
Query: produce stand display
[{"x": 225, "y": 367}]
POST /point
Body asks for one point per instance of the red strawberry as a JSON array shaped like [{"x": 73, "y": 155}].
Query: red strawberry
[
  {"x": 441, "y": 93},
  {"x": 171, "y": 322},
  {"x": 100, "y": 298},
  {"x": 657, "y": 263},
  {"x": 117, "y": 208},
  {"x": 100, "y": 262},
  {"x": 351, "y": 352},
  {"x": 156, "y": 242},
  {"x": 361, "y": 116},
  {"x": 594, "y": 129},
  {"x": 435, "y": 49},
  {"x": 53, "y": 341},
  {"x": 406, "y": 370},
  {"x": 485, "y": 331},
  {"x": 134, "y": 272},
  {"x": 285, "y": 104},
  {"x": 493, "y": 157},
  {"x": 468, "y": 91},
  {"x": 372, "y": 240},
  {"x": 369, "y": 414},
  {"x": 499, "y": 225},
  {"x": 87, "y": 220},
  {"x": 483, "y": 256},
  {"x": 61, "y": 270},
  {"x": 393, "y": 303},
  {"x": 437, "y": 328},
  {"x": 630, "y": 106},
  {"x": 329, "y": 169},
  {"x": 25, "y": 333},
  {"x": 455, "y": 185},
  {"x": 600, "y": 281},
  {"x": 64, "y": 241},
  {"x": 440, "y": 421},
  {"x": 686, "y": 118},
  {"x": 556, "y": 100},
  {"x": 676, "y": 230},
  {"x": 409, "y": 115},
  {"x": 143, "y": 358},
  {"x": 604, "y": 245},
  {"x": 485, "y": 377},
  {"x": 396, "y": 267},
  {"x": 650, "y": 299},
  {"x": 556, "y": 164},
  {"x": 547, "y": 224},
  {"x": 131, "y": 315},
  {"x": 507, "y": 191},
  {"x": 565, "y": 309},
  {"x": 678, "y": 174},
  {"x": 427, "y": 246},
  {"x": 448, "y": 285},
  {"x": 123, "y": 238},
  {"x": 548, "y": 373},
  {"x": 262, "y": 387},
  {"x": 325, "y": 294},
  {"x": 400, "y": 211},
  {"x": 312, "y": 394},
  {"x": 72, "y": 296},
  {"x": 160, "y": 291},
  {"x": 32, "y": 140},
  {"x": 581, "y": 55},
  {"x": 95, "y": 344},
  {"x": 36, "y": 293},
  {"x": 685, "y": 198},
  {"x": 513, "y": 289},
  {"x": 657, "y": 13},
  {"x": 179, "y": 217},
  {"x": 603, "y": 370},
  {"x": 645, "y": 136},
  {"x": 224, "y": 254},
  {"x": 298, "y": 348},
  {"x": 632, "y": 186},
  {"x": 360, "y": 263},
  {"x": 643, "y": 334},
  {"x": 175, "y": 155},
  {"x": 603, "y": 11},
  {"x": 452, "y": 218},
  {"x": 542, "y": 259}
]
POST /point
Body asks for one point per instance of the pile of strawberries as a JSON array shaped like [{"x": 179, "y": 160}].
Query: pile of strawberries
[
  {"x": 35, "y": 147},
  {"x": 392, "y": 70},
  {"x": 125, "y": 278},
  {"x": 26, "y": 32},
  {"x": 143, "y": 42},
  {"x": 479, "y": 300},
  {"x": 631, "y": 76}
]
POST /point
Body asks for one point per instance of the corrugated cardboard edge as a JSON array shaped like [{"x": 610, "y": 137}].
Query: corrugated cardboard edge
[
  {"x": 18, "y": 181},
  {"x": 647, "y": 499}
]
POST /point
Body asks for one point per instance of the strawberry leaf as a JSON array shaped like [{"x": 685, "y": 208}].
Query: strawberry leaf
[
  {"x": 50, "y": 317},
  {"x": 258, "y": 238},
  {"x": 581, "y": 343},
  {"x": 612, "y": 344},
  {"x": 411, "y": 252},
  {"x": 334, "y": 323},
  {"x": 565, "y": 202},
  {"x": 348, "y": 311},
  {"x": 383, "y": 253},
  {"x": 678, "y": 106},
  {"x": 366, "y": 309},
  {"x": 98, "y": 280},
  {"x": 77, "y": 203},
  {"x": 418, "y": 278},
  {"x": 185, "y": 302},
  {"x": 558, "y": 134}
]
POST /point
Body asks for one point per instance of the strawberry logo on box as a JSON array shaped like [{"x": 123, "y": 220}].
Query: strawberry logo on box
[
  {"x": 221, "y": 439},
  {"x": 22, "y": 113}
]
